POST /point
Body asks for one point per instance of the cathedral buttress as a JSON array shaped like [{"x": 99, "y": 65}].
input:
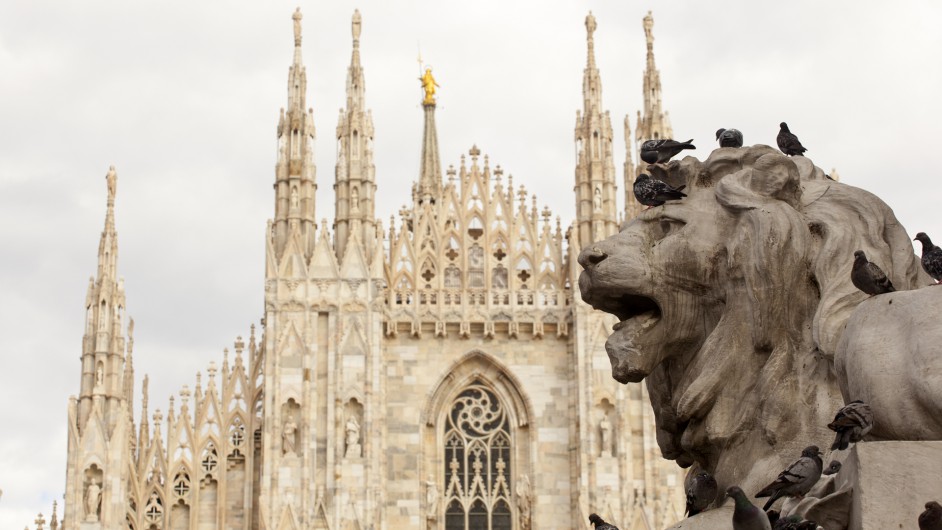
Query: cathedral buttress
[
  {"x": 99, "y": 419},
  {"x": 355, "y": 184},
  {"x": 596, "y": 211},
  {"x": 295, "y": 172}
]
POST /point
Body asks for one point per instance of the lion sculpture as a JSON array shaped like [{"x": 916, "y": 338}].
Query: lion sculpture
[{"x": 732, "y": 303}]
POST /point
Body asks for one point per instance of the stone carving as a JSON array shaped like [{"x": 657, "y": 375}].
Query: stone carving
[
  {"x": 92, "y": 501},
  {"x": 605, "y": 429},
  {"x": 902, "y": 384},
  {"x": 112, "y": 179},
  {"x": 296, "y": 17},
  {"x": 431, "y": 499},
  {"x": 288, "y": 436},
  {"x": 524, "y": 501},
  {"x": 99, "y": 376},
  {"x": 732, "y": 302},
  {"x": 352, "y": 430}
]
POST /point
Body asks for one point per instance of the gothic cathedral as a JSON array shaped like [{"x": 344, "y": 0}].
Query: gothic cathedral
[{"x": 438, "y": 373}]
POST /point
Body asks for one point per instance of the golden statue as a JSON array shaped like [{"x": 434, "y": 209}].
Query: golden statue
[{"x": 428, "y": 84}]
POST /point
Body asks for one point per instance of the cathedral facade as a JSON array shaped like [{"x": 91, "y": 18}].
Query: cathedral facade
[{"x": 439, "y": 372}]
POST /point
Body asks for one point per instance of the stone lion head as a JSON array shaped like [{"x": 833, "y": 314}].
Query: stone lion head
[{"x": 731, "y": 303}]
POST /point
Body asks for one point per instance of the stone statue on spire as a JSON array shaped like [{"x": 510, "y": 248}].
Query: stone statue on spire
[
  {"x": 296, "y": 17},
  {"x": 648, "y": 26},
  {"x": 590, "y": 24},
  {"x": 357, "y": 24},
  {"x": 112, "y": 179}
]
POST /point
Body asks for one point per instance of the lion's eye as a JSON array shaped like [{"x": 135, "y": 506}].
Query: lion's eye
[{"x": 664, "y": 227}]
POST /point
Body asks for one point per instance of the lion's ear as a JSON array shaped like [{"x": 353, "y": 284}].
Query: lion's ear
[{"x": 773, "y": 177}]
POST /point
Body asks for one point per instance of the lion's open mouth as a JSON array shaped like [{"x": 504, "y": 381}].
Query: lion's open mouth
[{"x": 628, "y": 306}]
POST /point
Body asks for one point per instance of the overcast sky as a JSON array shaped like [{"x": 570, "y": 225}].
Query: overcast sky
[{"x": 183, "y": 98}]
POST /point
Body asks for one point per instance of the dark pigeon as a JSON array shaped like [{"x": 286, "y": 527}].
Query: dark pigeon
[
  {"x": 851, "y": 424},
  {"x": 868, "y": 277},
  {"x": 794, "y": 522},
  {"x": 600, "y": 524},
  {"x": 931, "y": 257},
  {"x": 788, "y": 142},
  {"x": 653, "y": 192},
  {"x": 745, "y": 515},
  {"x": 661, "y": 151},
  {"x": 774, "y": 516},
  {"x": 832, "y": 468},
  {"x": 931, "y": 519},
  {"x": 729, "y": 137},
  {"x": 701, "y": 491},
  {"x": 797, "y": 479}
]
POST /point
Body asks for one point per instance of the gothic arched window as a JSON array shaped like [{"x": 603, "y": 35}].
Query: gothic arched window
[{"x": 477, "y": 462}]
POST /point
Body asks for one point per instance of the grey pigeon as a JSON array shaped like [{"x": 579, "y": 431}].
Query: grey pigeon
[
  {"x": 701, "y": 491},
  {"x": 788, "y": 142},
  {"x": 729, "y": 137},
  {"x": 661, "y": 151},
  {"x": 851, "y": 424},
  {"x": 832, "y": 468},
  {"x": 600, "y": 524},
  {"x": 745, "y": 514},
  {"x": 931, "y": 519},
  {"x": 931, "y": 257},
  {"x": 794, "y": 522},
  {"x": 797, "y": 479},
  {"x": 653, "y": 192},
  {"x": 868, "y": 277}
]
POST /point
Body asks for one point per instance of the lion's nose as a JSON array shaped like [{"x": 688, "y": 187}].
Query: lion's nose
[{"x": 591, "y": 256}]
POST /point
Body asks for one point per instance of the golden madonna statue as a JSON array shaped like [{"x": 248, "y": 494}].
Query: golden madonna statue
[{"x": 428, "y": 84}]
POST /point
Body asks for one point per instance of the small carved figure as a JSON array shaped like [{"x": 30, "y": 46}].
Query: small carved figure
[
  {"x": 296, "y": 17},
  {"x": 92, "y": 501},
  {"x": 597, "y": 201},
  {"x": 112, "y": 179},
  {"x": 352, "y": 430},
  {"x": 355, "y": 199},
  {"x": 524, "y": 501},
  {"x": 605, "y": 427},
  {"x": 431, "y": 499},
  {"x": 99, "y": 376},
  {"x": 294, "y": 197},
  {"x": 429, "y": 84},
  {"x": 287, "y": 436}
]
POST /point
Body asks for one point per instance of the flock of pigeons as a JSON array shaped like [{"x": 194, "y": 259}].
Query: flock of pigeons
[
  {"x": 851, "y": 423},
  {"x": 866, "y": 276}
]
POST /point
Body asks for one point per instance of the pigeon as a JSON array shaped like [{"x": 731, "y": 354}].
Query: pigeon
[
  {"x": 931, "y": 519},
  {"x": 661, "y": 151},
  {"x": 788, "y": 142},
  {"x": 832, "y": 468},
  {"x": 797, "y": 479},
  {"x": 774, "y": 516},
  {"x": 745, "y": 515},
  {"x": 851, "y": 424},
  {"x": 931, "y": 257},
  {"x": 701, "y": 491},
  {"x": 729, "y": 137},
  {"x": 653, "y": 192},
  {"x": 868, "y": 277},
  {"x": 600, "y": 524},
  {"x": 794, "y": 522}
]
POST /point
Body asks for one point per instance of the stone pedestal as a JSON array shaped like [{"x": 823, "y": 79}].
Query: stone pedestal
[
  {"x": 888, "y": 484},
  {"x": 892, "y": 482}
]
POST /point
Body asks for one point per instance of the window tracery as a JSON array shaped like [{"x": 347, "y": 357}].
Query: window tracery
[{"x": 477, "y": 462}]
